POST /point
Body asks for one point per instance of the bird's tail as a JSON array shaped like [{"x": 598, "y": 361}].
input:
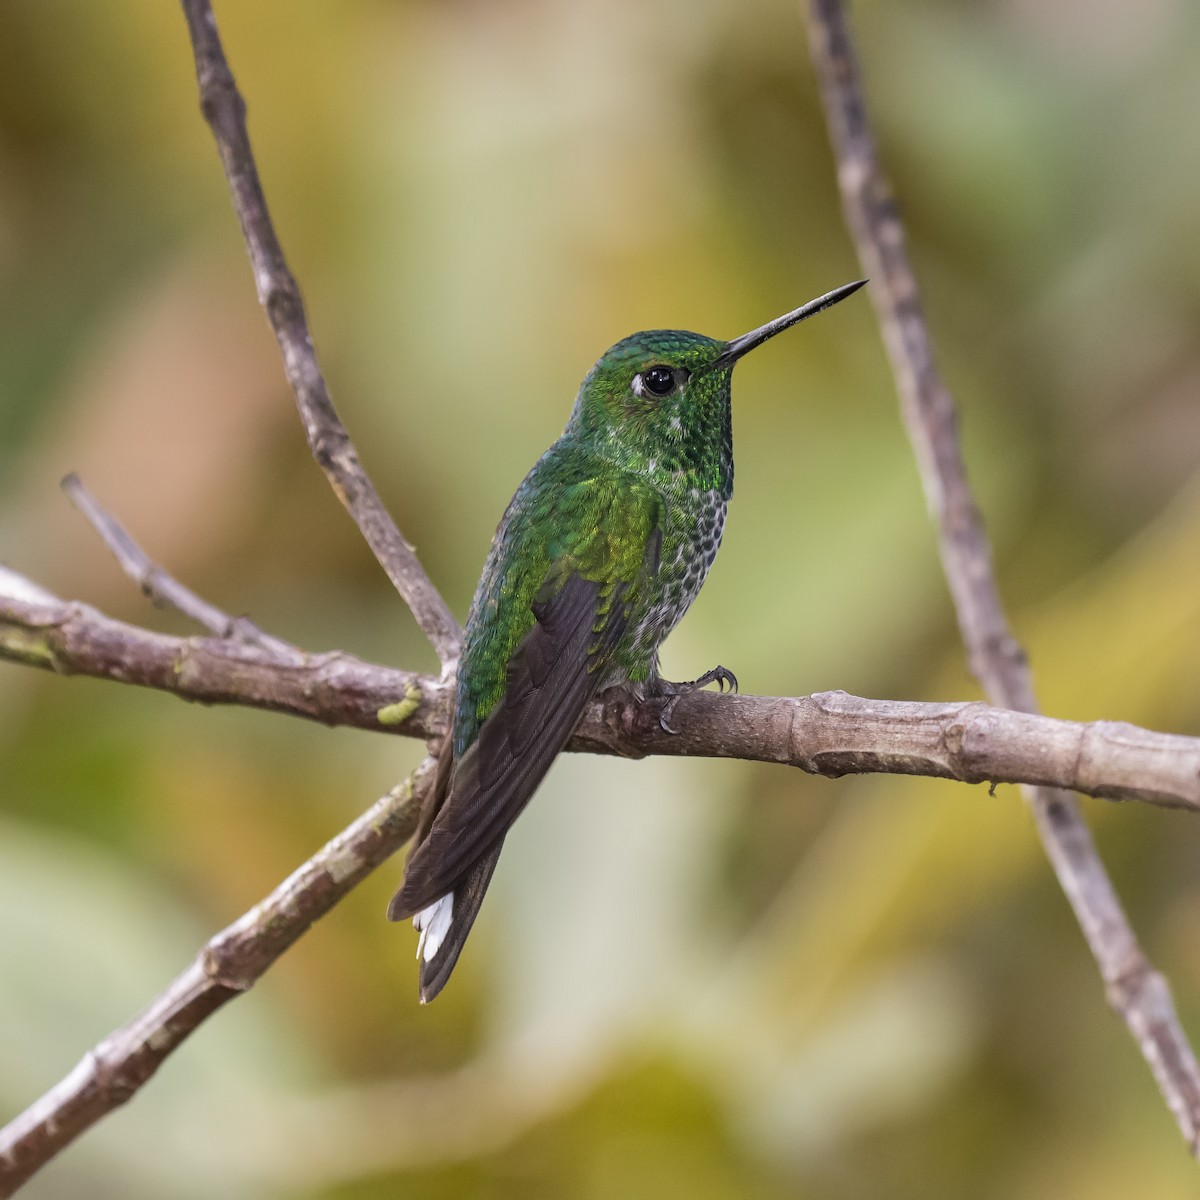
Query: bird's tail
[{"x": 444, "y": 925}]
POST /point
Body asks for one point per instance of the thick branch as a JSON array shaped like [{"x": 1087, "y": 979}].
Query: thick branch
[
  {"x": 229, "y": 964},
  {"x": 1135, "y": 989},
  {"x": 334, "y": 688},
  {"x": 278, "y": 293},
  {"x": 829, "y": 734}
]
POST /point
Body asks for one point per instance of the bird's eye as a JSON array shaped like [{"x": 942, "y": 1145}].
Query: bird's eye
[{"x": 659, "y": 380}]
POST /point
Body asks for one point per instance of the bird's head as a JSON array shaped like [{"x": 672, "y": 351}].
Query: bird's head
[{"x": 659, "y": 400}]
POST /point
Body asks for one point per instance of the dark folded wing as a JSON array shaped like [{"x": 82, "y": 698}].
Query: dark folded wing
[{"x": 553, "y": 674}]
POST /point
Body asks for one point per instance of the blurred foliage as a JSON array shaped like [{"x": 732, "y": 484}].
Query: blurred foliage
[{"x": 701, "y": 979}]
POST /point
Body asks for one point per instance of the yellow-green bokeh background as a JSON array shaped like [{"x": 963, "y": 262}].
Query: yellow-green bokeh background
[{"x": 692, "y": 979}]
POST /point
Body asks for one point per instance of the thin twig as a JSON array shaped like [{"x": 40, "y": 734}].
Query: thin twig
[
  {"x": 830, "y": 733},
  {"x": 228, "y": 965},
  {"x": 278, "y": 293},
  {"x": 157, "y": 583},
  {"x": 1135, "y": 989}
]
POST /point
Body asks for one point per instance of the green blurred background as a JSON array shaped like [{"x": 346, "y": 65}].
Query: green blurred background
[{"x": 692, "y": 979}]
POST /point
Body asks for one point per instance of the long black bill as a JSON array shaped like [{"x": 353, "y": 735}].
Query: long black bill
[{"x": 743, "y": 345}]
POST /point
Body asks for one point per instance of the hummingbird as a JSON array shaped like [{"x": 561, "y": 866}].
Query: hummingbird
[{"x": 600, "y": 552}]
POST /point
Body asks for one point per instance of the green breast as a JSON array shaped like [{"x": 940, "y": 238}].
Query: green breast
[{"x": 573, "y": 513}]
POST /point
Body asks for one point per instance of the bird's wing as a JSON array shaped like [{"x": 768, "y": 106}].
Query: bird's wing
[
  {"x": 554, "y": 673},
  {"x": 579, "y": 619}
]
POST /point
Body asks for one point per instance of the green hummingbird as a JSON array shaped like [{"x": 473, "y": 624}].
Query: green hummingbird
[{"x": 600, "y": 552}]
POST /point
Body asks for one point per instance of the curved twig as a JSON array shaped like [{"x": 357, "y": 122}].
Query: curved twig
[
  {"x": 279, "y": 294},
  {"x": 1135, "y": 989},
  {"x": 155, "y": 582}
]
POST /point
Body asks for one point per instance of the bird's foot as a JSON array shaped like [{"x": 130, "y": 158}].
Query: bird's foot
[{"x": 670, "y": 692}]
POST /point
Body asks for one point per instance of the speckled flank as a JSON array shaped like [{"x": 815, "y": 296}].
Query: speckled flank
[{"x": 682, "y": 573}]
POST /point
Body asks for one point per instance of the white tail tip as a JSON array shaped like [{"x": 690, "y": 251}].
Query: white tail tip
[{"x": 433, "y": 923}]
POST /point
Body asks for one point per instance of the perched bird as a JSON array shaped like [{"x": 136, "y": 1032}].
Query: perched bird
[{"x": 598, "y": 555}]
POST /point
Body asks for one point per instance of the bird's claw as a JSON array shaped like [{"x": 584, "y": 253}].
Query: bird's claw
[{"x": 721, "y": 676}]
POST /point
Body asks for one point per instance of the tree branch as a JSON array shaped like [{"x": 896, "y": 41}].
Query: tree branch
[
  {"x": 1135, "y": 989},
  {"x": 279, "y": 294},
  {"x": 830, "y": 733},
  {"x": 334, "y": 688},
  {"x": 229, "y": 964}
]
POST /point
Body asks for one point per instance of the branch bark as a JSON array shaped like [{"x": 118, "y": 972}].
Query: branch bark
[
  {"x": 279, "y": 294},
  {"x": 334, "y": 688},
  {"x": 1135, "y": 990},
  {"x": 830, "y": 733}
]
